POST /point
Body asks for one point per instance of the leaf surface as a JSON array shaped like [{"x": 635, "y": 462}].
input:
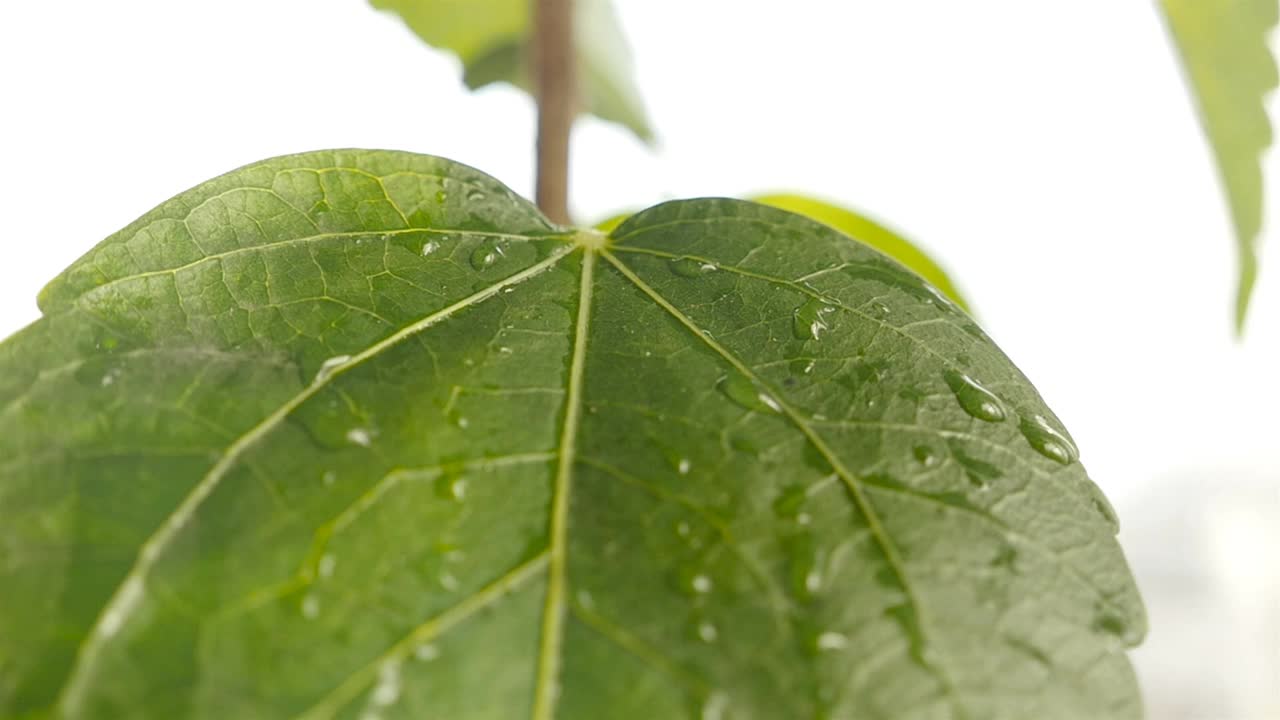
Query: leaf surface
[
  {"x": 1223, "y": 44},
  {"x": 359, "y": 433},
  {"x": 490, "y": 38},
  {"x": 863, "y": 228}
]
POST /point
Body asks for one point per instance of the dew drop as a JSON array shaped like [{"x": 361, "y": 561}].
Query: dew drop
[
  {"x": 976, "y": 400},
  {"x": 683, "y": 466},
  {"x": 832, "y": 641},
  {"x": 310, "y": 607},
  {"x": 487, "y": 254},
  {"x": 328, "y": 367},
  {"x": 475, "y": 196},
  {"x": 329, "y": 477},
  {"x": 110, "y": 377},
  {"x": 745, "y": 394},
  {"x": 683, "y": 529},
  {"x": 586, "y": 600},
  {"x": 1048, "y": 440},
  {"x": 803, "y": 366},
  {"x": 326, "y": 566},
  {"x": 715, "y": 707},
  {"x": 359, "y": 436},
  {"x": 387, "y": 691},
  {"x": 707, "y": 632},
  {"x": 441, "y": 196},
  {"x": 449, "y": 582},
  {"x": 430, "y": 247},
  {"x": 426, "y": 652},
  {"x": 700, "y": 584},
  {"x": 451, "y": 488},
  {"x": 811, "y": 320},
  {"x": 925, "y": 455},
  {"x": 689, "y": 267},
  {"x": 789, "y": 501}
]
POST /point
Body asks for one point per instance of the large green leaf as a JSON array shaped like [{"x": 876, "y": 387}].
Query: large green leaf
[
  {"x": 360, "y": 433},
  {"x": 1229, "y": 66},
  {"x": 489, "y": 37}
]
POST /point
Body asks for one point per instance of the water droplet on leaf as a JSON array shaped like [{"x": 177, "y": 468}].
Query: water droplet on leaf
[
  {"x": 689, "y": 267},
  {"x": 1047, "y": 440},
  {"x": 976, "y": 400},
  {"x": 487, "y": 254},
  {"x": 328, "y": 367},
  {"x": 811, "y": 320},
  {"x": 744, "y": 393}
]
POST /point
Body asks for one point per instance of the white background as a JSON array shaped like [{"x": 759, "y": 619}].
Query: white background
[{"x": 1046, "y": 153}]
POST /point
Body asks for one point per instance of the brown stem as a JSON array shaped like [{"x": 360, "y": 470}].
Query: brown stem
[{"x": 555, "y": 88}]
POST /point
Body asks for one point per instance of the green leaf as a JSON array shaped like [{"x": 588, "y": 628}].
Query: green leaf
[
  {"x": 872, "y": 233},
  {"x": 1230, "y": 69},
  {"x": 489, "y": 37},
  {"x": 360, "y": 433}
]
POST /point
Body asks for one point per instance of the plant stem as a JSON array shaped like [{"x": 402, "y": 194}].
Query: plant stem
[{"x": 555, "y": 88}]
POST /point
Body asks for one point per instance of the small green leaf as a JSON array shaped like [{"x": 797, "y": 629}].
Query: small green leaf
[
  {"x": 1230, "y": 69},
  {"x": 489, "y": 37},
  {"x": 863, "y": 228},
  {"x": 360, "y": 433}
]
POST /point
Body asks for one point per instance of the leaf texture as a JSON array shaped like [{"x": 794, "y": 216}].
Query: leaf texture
[
  {"x": 360, "y": 434},
  {"x": 1223, "y": 44}
]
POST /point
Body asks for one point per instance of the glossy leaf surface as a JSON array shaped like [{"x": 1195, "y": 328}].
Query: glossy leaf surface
[
  {"x": 358, "y": 433},
  {"x": 490, "y": 38},
  {"x": 1229, "y": 66}
]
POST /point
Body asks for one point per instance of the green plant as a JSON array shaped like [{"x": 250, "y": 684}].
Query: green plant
[{"x": 363, "y": 433}]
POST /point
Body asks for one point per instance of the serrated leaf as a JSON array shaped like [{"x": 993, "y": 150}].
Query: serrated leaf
[
  {"x": 489, "y": 37},
  {"x": 360, "y": 433},
  {"x": 861, "y": 227},
  {"x": 1223, "y": 44}
]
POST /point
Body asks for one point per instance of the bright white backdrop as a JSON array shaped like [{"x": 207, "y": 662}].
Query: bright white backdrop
[{"x": 1046, "y": 152}]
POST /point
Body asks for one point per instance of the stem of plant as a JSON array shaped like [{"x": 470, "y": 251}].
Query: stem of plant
[{"x": 555, "y": 81}]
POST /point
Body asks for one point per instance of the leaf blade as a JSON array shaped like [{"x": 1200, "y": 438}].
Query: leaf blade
[
  {"x": 753, "y": 527},
  {"x": 1228, "y": 64}
]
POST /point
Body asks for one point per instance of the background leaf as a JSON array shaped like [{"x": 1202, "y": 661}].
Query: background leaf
[
  {"x": 489, "y": 36},
  {"x": 354, "y": 432},
  {"x": 1230, "y": 68}
]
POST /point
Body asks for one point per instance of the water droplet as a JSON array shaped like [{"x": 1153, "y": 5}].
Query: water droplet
[
  {"x": 310, "y": 607},
  {"x": 715, "y": 706},
  {"x": 475, "y": 196},
  {"x": 976, "y": 400},
  {"x": 832, "y": 641},
  {"x": 504, "y": 350},
  {"x": 743, "y": 392},
  {"x": 449, "y": 582},
  {"x": 487, "y": 254},
  {"x": 700, "y": 584},
  {"x": 879, "y": 308},
  {"x": 707, "y": 632},
  {"x": 387, "y": 691},
  {"x": 426, "y": 652},
  {"x": 1113, "y": 624},
  {"x": 689, "y": 267},
  {"x": 1104, "y": 508},
  {"x": 586, "y": 600},
  {"x": 925, "y": 455},
  {"x": 802, "y": 559},
  {"x": 683, "y": 529},
  {"x": 328, "y": 367},
  {"x": 441, "y": 196},
  {"x": 110, "y": 377},
  {"x": 980, "y": 473},
  {"x": 803, "y": 366},
  {"x": 683, "y": 466},
  {"x": 359, "y": 436},
  {"x": 451, "y": 488},
  {"x": 1048, "y": 440},
  {"x": 326, "y": 566},
  {"x": 811, "y": 319},
  {"x": 430, "y": 247}
]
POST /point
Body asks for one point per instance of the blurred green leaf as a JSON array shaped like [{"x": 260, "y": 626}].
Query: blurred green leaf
[
  {"x": 1229, "y": 66},
  {"x": 489, "y": 37},
  {"x": 872, "y": 233}
]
